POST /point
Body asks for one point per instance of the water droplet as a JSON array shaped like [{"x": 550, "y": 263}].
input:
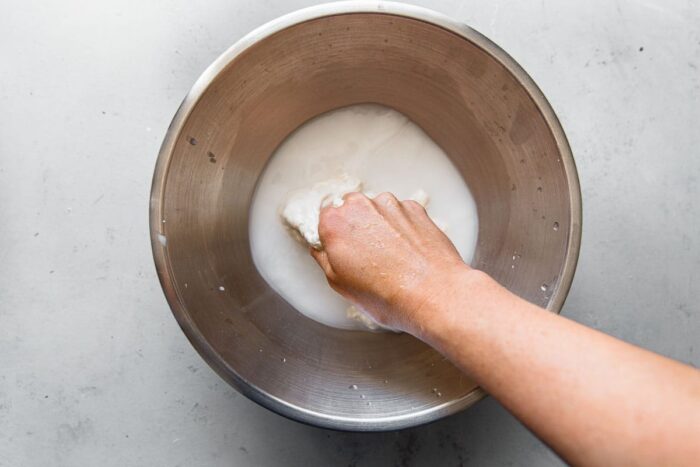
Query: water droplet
[
  {"x": 438, "y": 394},
  {"x": 539, "y": 188},
  {"x": 369, "y": 404},
  {"x": 284, "y": 360},
  {"x": 512, "y": 266},
  {"x": 221, "y": 288},
  {"x": 185, "y": 284},
  {"x": 386, "y": 381},
  {"x": 544, "y": 287},
  {"x": 193, "y": 141},
  {"x": 260, "y": 350},
  {"x": 163, "y": 221},
  {"x": 362, "y": 396},
  {"x": 555, "y": 226},
  {"x": 353, "y": 387}
]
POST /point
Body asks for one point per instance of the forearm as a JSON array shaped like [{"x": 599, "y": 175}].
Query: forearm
[{"x": 593, "y": 398}]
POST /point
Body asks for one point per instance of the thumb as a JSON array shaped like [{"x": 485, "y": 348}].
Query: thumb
[{"x": 321, "y": 258}]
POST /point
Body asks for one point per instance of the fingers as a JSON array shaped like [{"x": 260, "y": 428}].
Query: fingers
[
  {"x": 359, "y": 210},
  {"x": 397, "y": 212},
  {"x": 335, "y": 221},
  {"x": 355, "y": 197},
  {"x": 390, "y": 208},
  {"x": 387, "y": 204},
  {"x": 419, "y": 216},
  {"x": 416, "y": 212}
]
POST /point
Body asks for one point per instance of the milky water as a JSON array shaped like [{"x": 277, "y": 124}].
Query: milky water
[{"x": 377, "y": 145}]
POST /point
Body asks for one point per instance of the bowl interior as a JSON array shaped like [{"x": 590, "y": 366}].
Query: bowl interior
[{"x": 475, "y": 108}]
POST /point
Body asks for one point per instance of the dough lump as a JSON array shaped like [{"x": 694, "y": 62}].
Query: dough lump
[{"x": 302, "y": 209}]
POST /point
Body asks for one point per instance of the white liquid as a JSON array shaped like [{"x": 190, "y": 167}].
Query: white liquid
[{"x": 375, "y": 144}]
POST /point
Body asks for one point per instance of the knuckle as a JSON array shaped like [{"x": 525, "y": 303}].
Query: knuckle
[
  {"x": 386, "y": 198},
  {"x": 353, "y": 197}
]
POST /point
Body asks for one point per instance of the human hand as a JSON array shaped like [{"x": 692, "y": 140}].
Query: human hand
[{"x": 387, "y": 256}]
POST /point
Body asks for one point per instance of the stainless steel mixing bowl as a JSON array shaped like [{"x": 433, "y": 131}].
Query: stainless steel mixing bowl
[{"x": 464, "y": 91}]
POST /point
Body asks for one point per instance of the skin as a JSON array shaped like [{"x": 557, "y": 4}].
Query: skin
[{"x": 594, "y": 399}]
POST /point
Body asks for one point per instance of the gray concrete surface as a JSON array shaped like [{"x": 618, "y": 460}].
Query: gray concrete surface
[{"x": 93, "y": 368}]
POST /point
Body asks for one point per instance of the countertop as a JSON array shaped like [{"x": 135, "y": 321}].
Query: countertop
[{"x": 94, "y": 369}]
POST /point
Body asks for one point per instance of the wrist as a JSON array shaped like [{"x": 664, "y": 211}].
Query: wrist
[{"x": 447, "y": 299}]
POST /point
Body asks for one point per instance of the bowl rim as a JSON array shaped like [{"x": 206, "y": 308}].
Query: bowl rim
[{"x": 158, "y": 240}]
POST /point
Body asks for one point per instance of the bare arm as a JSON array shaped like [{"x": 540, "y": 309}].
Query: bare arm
[{"x": 594, "y": 399}]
